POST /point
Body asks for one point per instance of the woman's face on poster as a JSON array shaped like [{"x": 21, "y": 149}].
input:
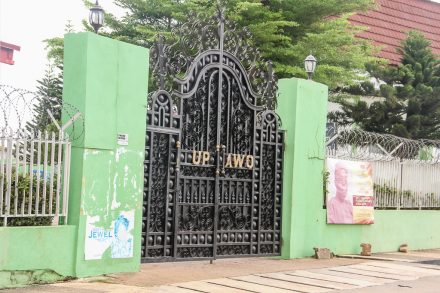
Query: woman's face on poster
[{"x": 341, "y": 181}]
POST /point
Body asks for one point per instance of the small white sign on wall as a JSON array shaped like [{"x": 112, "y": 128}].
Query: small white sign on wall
[{"x": 122, "y": 139}]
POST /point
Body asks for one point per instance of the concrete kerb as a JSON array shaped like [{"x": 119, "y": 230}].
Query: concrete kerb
[{"x": 14, "y": 279}]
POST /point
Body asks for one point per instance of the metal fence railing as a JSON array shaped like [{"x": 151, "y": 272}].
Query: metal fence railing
[
  {"x": 406, "y": 173},
  {"x": 34, "y": 177},
  {"x": 406, "y": 184},
  {"x": 36, "y": 132}
]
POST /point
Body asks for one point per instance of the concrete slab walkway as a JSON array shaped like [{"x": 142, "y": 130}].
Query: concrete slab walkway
[{"x": 265, "y": 275}]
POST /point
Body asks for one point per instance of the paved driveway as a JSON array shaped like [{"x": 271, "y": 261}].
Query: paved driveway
[{"x": 414, "y": 272}]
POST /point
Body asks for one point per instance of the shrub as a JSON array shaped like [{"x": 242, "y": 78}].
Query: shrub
[{"x": 23, "y": 186}]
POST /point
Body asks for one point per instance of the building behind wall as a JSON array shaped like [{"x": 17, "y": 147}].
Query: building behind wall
[
  {"x": 387, "y": 26},
  {"x": 391, "y": 20},
  {"x": 7, "y": 52}
]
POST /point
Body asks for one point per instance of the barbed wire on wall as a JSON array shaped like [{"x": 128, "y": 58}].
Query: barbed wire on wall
[
  {"x": 357, "y": 144},
  {"x": 27, "y": 113}
]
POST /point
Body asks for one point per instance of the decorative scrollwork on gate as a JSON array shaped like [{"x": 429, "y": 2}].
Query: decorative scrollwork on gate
[
  {"x": 234, "y": 218},
  {"x": 199, "y": 35},
  {"x": 197, "y": 219},
  {"x": 159, "y": 187},
  {"x": 214, "y": 147}
]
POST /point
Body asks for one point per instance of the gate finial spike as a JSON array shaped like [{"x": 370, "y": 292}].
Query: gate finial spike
[
  {"x": 221, "y": 23},
  {"x": 221, "y": 8},
  {"x": 161, "y": 57},
  {"x": 268, "y": 91}
]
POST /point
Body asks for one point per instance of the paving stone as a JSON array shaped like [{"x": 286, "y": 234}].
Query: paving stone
[
  {"x": 168, "y": 289},
  {"x": 376, "y": 281},
  {"x": 322, "y": 283},
  {"x": 279, "y": 281},
  {"x": 209, "y": 287},
  {"x": 393, "y": 277},
  {"x": 383, "y": 270},
  {"x": 334, "y": 279},
  {"x": 253, "y": 287},
  {"x": 409, "y": 267}
]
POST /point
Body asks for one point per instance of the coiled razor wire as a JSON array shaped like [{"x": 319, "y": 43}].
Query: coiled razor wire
[
  {"x": 18, "y": 111},
  {"x": 358, "y": 144}
]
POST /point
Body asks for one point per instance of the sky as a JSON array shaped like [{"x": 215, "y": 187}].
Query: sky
[{"x": 27, "y": 23}]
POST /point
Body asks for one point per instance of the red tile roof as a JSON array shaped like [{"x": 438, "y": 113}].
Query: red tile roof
[
  {"x": 7, "y": 52},
  {"x": 9, "y": 46},
  {"x": 392, "y": 19}
]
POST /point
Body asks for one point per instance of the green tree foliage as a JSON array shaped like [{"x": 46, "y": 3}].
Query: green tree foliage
[
  {"x": 341, "y": 56},
  {"x": 285, "y": 31},
  {"x": 50, "y": 87},
  {"x": 420, "y": 77},
  {"x": 55, "y": 47},
  {"x": 49, "y": 94},
  {"x": 411, "y": 97}
]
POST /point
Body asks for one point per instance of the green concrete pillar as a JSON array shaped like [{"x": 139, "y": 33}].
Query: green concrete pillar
[
  {"x": 107, "y": 81},
  {"x": 302, "y": 106}
]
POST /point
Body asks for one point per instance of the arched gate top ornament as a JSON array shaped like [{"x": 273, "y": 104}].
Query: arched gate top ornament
[{"x": 202, "y": 42}]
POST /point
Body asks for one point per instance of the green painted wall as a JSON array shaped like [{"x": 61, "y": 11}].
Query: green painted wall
[
  {"x": 107, "y": 81},
  {"x": 38, "y": 248},
  {"x": 302, "y": 106}
]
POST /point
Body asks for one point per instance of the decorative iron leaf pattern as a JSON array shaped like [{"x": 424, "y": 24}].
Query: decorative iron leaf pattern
[
  {"x": 268, "y": 188},
  {"x": 159, "y": 186},
  {"x": 173, "y": 58},
  {"x": 193, "y": 218},
  {"x": 234, "y": 218}
]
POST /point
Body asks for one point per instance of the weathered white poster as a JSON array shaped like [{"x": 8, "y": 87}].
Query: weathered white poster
[
  {"x": 350, "y": 198},
  {"x": 117, "y": 241}
]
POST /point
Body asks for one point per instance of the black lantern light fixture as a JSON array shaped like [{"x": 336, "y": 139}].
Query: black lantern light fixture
[
  {"x": 310, "y": 65},
  {"x": 96, "y": 17}
]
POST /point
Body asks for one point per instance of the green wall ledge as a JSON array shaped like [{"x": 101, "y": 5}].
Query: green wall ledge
[{"x": 36, "y": 254}]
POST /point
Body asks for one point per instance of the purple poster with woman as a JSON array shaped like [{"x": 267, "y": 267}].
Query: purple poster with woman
[{"x": 350, "y": 198}]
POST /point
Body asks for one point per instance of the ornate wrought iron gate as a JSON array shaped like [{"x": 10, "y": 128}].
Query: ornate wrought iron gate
[{"x": 214, "y": 148}]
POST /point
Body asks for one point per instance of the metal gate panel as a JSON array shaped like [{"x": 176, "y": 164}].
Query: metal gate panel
[
  {"x": 213, "y": 164},
  {"x": 160, "y": 169}
]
